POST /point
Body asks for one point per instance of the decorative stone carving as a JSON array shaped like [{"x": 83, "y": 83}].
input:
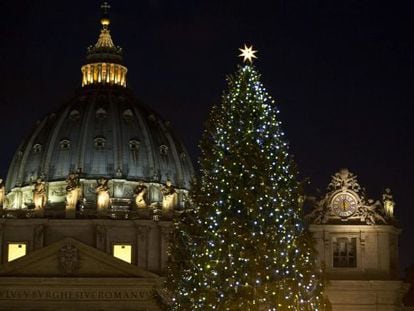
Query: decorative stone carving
[
  {"x": 39, "y": 194},
  {"x": 345, "y": 184},
  {"x": 68, "y": 259},
  {"x": 58, "y": 192},
  {"x": 370, "y": 213},
  {"x": 128, "y": 191},
  {"x": 140, "y": 192},
  {"x": 344, "y": 180},
  {"x": 102, "y": 194},
  {"x": 73, "y": 194}
]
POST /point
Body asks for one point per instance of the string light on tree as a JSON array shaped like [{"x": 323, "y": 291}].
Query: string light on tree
[{"x": 241, "y": 243}]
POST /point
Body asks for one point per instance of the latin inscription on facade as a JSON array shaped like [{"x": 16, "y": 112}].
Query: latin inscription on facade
[{"x": 74, "y": 294}]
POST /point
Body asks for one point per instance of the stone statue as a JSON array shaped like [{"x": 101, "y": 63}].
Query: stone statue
[
  {"x": 388, "y": 202},
  {"x": 39, "y": 194},
  {"x": 73, "y": 194},
  {"x": 169, "y": 200},
  {"x": 2, "y": 193},
  {"x": 102, "y": 194},
  {"x": 140, "y": 192}
]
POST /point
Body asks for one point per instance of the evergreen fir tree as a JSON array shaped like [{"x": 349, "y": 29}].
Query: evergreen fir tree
[{"x": 241, "y": 243}]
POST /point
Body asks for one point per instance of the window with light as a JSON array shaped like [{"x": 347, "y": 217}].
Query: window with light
[
  {"x": 123, "y": 252},
  {"x": 16, "y": 250}
]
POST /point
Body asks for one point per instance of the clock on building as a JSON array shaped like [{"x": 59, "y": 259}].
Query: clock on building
[{"x": 344, "y": 204}]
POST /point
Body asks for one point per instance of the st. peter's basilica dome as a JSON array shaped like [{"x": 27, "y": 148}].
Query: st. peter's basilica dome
[{"x": 102, "y": 137}]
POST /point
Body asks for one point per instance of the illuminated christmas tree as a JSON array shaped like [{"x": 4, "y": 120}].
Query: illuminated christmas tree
[{"x": 241, "y": 243}]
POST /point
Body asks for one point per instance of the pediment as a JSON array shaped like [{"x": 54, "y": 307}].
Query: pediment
[{"x": 71, "y": 258}]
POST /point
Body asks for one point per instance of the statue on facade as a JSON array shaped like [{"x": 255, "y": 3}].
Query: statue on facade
[
  {"x": 39, "y": 194},
  {"x": 102, "y": 194},
  {"x": 388, "y": 202},
  {"x": 140, "y": 191},
  {"x": 2, "y": 193},
  {"x": 73, "y": 193},
  {"x": 170, "y": 197}
]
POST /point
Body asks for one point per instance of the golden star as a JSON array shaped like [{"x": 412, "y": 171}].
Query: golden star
[{"x": 248, "y": 53}]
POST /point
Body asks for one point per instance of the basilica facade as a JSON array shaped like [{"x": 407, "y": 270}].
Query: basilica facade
[
  {"x": 87, "y": 205},
  {"x": 357, "y": 245}
]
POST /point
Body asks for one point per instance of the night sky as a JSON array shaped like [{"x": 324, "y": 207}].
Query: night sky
[{"x": 341, "y": 72}]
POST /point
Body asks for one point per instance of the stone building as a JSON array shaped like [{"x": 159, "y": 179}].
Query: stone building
[
  {"x": 357, "y": 242},
  {"x": 87, "y": 204}
]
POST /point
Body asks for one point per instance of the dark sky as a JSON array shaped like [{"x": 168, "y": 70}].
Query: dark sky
[{"x": 341, "y": 72}]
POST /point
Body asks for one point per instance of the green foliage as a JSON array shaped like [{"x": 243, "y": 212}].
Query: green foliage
[{"x": 241, "y": 243}]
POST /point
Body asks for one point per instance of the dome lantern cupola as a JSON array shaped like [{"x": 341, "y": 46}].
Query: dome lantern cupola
[{"x": 104, "y": 59}]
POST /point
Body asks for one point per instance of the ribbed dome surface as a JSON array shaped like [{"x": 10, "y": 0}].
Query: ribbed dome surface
[{"x": 105, "y": 132}]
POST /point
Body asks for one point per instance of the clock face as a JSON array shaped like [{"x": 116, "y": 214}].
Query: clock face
[{"x": 344, "y": 204}]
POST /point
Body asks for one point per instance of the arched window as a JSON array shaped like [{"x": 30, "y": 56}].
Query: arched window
[
  {"x": 74, "y": 115},
  {"x": 133, "y": 144},
  {"x": 99, "y": 143},
  {"x": 64, "y": 144},
  {"x": 163, "y": 150},
  {"x": 37, "y": 148},
  {"x": 128, "y": 114},
  {"x": 101, "y": 113}
]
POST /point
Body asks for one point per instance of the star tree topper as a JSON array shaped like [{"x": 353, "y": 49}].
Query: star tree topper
[{"x": 248, "y": 53}]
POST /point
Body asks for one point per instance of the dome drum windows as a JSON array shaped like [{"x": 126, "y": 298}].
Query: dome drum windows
[
  {"x": 152, "y": 118},
  {"x": 101, "y": 113},
  {"x": 64, "y": 144},
  {"x": 134, "y": 147},
  {"x": 163, "y": 150},
  {"x": 133, "y": 144},
  {"x": 37, "y": 148},
  {"x": 74, "y": 115},
  {"x": 128, "y": 115},
  {"x": 99, "y": 143}
]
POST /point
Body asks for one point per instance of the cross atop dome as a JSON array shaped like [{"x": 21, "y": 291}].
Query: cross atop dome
[
  {"x": 105, "y": 21},
  {"x": 105, "y": 7}
]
